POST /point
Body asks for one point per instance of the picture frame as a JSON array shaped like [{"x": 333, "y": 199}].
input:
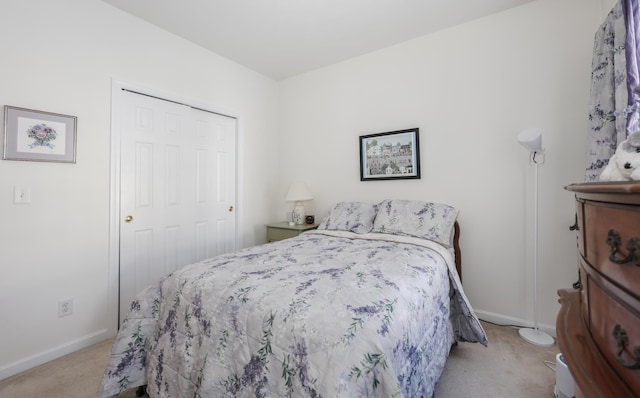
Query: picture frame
[
  {"x": 394, "y": 155},
  {"x": 39, "y": 136}
]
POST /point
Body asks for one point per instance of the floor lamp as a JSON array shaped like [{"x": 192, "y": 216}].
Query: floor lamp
[{"x": 532, "y": 140}]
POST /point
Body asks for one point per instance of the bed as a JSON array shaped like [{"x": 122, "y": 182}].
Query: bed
[{"x": 367, "y": 305}]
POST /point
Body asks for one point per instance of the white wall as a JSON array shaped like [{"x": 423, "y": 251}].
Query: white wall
[
  {"x": 470, "y": 89},
  {"x": 606, "y": 6},
  {"x": 61, "y": 57}
]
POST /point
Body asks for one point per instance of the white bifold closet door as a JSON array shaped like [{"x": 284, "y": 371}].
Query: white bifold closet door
[{"x": 177, "y": 189}]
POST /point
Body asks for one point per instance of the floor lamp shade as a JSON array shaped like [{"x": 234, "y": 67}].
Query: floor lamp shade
[
  {"x": 532, "y": 140},
  {"x": 298, "y": 193}
]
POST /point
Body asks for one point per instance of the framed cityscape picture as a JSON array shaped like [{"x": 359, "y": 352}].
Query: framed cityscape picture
[
  {"x": 39, "y": 136},
  {"x": 393, "y": 155}
]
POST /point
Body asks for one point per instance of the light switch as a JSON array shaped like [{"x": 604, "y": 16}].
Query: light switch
[{"x": 21, "y": 195}]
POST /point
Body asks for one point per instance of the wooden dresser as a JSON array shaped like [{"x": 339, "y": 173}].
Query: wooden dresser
[{"x": 598, "y": 325}]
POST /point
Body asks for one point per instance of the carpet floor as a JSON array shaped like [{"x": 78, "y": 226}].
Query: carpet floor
[{"x": 508, "y": 367}]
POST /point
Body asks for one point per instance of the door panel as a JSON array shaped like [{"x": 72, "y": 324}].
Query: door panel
[{"x": 171, "y": 182}]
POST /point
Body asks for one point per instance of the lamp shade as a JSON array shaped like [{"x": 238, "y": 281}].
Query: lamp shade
[
  {"x": 531, "y": 139},
  {"x": 298, "y": 191}
]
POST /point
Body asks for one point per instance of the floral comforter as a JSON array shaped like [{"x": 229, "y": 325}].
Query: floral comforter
[{"x": 326, "y": 314}]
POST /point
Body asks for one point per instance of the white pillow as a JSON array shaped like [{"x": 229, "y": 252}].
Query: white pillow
[
  {"x": 350, "y": 216},
  {"x": 425, "y": 220}
]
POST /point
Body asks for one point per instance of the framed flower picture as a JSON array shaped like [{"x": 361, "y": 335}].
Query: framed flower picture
[{"x": 39, "y": 136}]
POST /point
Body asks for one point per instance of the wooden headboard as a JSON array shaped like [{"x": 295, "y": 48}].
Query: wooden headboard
[{"x": 456, "y": 249}]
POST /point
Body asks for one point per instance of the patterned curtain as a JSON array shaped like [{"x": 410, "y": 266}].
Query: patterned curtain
[
  {"x": 632, "y": 51},
  {"x": 608, "y": 106}
]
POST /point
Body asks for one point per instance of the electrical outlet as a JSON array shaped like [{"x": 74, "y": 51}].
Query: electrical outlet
[{"x": 65, "y": 307}]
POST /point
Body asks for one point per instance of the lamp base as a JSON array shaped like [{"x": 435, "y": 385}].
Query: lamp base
[
  {"x": 536, "y": 336},
  {"x": 298, "y": 214}
]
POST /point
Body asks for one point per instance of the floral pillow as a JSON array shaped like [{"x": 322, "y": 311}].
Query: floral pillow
[
  {"x": 350, "y": 216},
  {"x": 425, "y": 220}
]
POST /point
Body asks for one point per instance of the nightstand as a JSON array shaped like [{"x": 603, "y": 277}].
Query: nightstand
[{"x": 282, "y": 230}]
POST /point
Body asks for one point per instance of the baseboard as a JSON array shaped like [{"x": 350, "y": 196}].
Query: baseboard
[
  {"x": 27, "y": 363},
  {"x": 506, "y": 320}
]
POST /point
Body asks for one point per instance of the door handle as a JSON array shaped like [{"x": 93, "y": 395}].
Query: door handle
[
  {"x": 128, "y": 219},
  {"x": 230, "y": 209}
]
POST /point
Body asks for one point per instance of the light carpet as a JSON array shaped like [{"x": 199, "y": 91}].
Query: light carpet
[{"x": 508, "y": 367}]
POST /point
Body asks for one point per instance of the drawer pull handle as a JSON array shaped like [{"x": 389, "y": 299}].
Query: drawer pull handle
[
  {"x": 575, "y": 226},
  {"x": 633, "y": 244},
  {"x": 623, "y": 340}
]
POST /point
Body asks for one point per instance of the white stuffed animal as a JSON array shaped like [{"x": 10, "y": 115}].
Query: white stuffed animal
[{"x": 624, "y": 165}]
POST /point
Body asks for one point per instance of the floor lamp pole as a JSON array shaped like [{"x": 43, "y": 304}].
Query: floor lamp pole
[
  {"x": 535, "y": 246},
  {"x": 535, "y": 336}
]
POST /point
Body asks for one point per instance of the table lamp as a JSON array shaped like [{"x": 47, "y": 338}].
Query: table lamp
[{"x": 298, "y": 192}]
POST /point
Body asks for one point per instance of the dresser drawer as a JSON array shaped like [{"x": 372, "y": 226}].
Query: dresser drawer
[
  {"x": 607, "y": 315},
  {"x": 581, "y": 226},
  {"x": 275, "y": 234},
  {"x": 624, "y": 221},
  {"x": 584, "y": 297},
  {"x": 282, "y": 230}
]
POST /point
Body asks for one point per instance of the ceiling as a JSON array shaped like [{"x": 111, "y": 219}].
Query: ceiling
[{"x": 283, "y": 38}]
